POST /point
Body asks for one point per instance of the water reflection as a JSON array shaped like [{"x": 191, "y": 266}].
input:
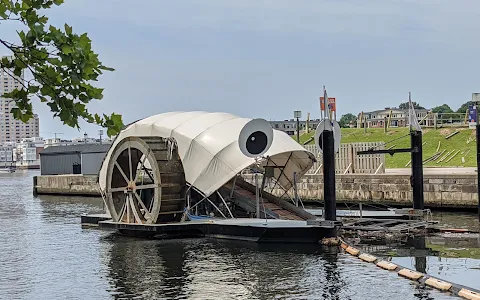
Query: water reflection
[{"x": 199, "y": 268}]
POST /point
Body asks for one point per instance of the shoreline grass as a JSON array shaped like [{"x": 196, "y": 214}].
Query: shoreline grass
[{"x": 463, "y": 142}]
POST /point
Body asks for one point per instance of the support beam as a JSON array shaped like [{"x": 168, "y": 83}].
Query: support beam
[
  {"x": 386, "y": 151},
  {"x": 257, "y": 196},
  {"x": 329, "y": 175},
  {"x": 417, "y": 170}
]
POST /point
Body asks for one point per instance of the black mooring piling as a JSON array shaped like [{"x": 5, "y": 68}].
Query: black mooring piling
[
  {"x": 417, "y": 169},
  {"x": 329, "y": 175}
]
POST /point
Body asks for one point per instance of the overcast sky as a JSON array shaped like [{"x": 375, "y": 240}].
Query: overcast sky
[{"x": 268, "y": 58}]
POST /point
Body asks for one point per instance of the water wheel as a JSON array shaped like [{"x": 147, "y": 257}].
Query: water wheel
[{"x": 145, "y": 183}]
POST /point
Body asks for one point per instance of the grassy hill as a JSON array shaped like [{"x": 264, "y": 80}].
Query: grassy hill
[{"x": 463, "y": 141}]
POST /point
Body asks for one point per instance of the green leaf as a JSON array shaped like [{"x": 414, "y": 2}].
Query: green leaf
[
  {"x": 111, "y": 132},
  {"x": 98, "y": 119},
  {"x": 106, "y": 68},
  {"x": 58, "y": 2},
  {"x": 3, "y": 10},
  {"x": 66, "y": 49},
  {"x": 117, "y": 119},
  {"x": 32, "y": 89},
  {"x": 68, "y": 29},
  {"x": 54, "y": 61},
  {"x": 17, "y": 71},
  {"x": 20, "y": 64},
  {"x": 21, "y": 34},
  {"x": 25, "y": 117},
  {"x": 53, "y": 106},
  {"x": 16, "y": 112}
]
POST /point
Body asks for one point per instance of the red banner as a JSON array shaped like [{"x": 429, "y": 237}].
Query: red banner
[{"x": 331, "y": 104}]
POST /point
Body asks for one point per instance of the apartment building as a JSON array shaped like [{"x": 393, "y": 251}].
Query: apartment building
[{"x": 12, "y": 130}]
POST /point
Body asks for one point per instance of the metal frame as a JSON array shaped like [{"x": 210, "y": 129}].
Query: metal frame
[{"x": 211, "y": 202}]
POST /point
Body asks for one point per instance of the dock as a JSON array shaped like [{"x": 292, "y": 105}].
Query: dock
[{"x": 253, "y": 230}]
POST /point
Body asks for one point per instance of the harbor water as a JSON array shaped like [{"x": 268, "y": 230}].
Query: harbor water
[{"x": 46, "y": 254}]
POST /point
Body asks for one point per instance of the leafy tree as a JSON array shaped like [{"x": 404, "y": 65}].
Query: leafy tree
[
  {"x": 405, "y": 105},
  {"x": 61, "y": 65},
  {"x": 464, "y": 107},
  {"x": 444, "y": 108},
  {"x": 346, "y": 119}
]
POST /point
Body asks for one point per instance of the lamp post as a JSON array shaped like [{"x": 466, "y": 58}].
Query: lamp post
[{"x": 298, "y": 114}]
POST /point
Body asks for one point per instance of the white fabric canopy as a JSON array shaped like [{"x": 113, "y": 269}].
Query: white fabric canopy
[{"x": 208, "y": 147}]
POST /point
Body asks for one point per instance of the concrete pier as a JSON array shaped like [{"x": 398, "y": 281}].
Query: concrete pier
[{"x": 81, "y": 185}]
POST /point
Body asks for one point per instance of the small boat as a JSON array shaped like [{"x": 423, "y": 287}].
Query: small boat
[{"x": 7, "y": 170}]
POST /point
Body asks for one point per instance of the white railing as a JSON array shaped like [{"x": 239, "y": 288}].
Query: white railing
[{"x": 348, "y": 162}]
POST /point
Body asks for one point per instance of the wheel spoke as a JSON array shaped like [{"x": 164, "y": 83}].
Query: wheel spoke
[
  {"x": 148, "y": 173},
  {"x": 130, "y": 160},
  {"x": 147, "y": 213},
  {"x": 146, "y": 186},
  {"x": 127, "y": 204},
  {"x": 119, "y": 189},
  {"x": 137, "y": 171},
  {"x": 121, "y": 171},
  {"x": 134, "y": 210},
  {"x": 122, "y": 210}
]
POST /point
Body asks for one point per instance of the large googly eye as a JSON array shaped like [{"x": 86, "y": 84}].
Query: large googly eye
[
  {"x": 326, "y": 125},
  {"x": 255, "y": 138}
]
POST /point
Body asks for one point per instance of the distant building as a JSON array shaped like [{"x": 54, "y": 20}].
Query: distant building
[
  {"x": 290, "y": 126},
  {"x": 28, "y": 153},
  {"x": 76, "y": 141},
  {"x": 12, "y": 130},
  {"x": 7, "y": 156},
  {"x": 399, "y": 117},
  {"x": 83, "y": 159}
]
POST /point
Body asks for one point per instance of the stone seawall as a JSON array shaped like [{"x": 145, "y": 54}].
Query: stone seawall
[
  {"x": 449, "y": 191},
  {"x": 82, "y": 185},
  {"x": 455, "y": 191}
]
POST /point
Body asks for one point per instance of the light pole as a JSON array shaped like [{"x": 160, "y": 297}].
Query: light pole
[{"x": 298, "y": 114}]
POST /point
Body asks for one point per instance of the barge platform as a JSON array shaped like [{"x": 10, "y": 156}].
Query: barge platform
[{"x": 245, "y": 229}]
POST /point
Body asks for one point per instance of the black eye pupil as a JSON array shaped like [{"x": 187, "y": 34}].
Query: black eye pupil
[
  {"x": 257, "y": 142},
  {"x": 320, "y": 139}
]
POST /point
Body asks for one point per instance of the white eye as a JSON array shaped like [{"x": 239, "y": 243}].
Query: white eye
[
  {"x": 255, "y": 138},
  {"x": 325, "y": 125}
]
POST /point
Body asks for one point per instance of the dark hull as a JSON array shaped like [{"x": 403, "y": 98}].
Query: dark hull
[{"x": 272, "y": 231}]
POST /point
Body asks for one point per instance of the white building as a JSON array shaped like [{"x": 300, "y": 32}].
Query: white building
[
  {"x": 12, "y": 130},
  {"x": 28, "y": 153},
  {"x": 7, "y": 156},
  {"x": 76, "y": 141}
]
